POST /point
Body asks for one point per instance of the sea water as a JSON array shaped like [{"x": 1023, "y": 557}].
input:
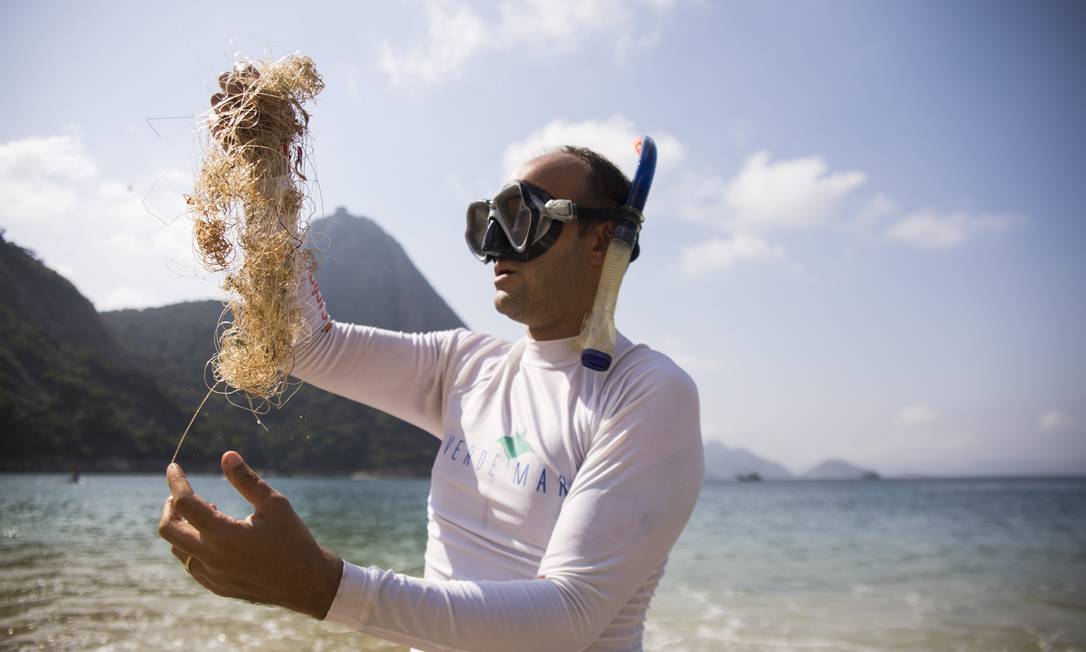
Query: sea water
[{"x": 889, "y": 565}]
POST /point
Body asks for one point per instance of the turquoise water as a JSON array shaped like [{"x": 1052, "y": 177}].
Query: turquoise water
[{"x": 916, "y": 565}]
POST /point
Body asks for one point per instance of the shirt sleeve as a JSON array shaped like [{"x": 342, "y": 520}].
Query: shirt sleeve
[
  {"x": 403, "y": 374},
  {"x": 629, "y": 502}
]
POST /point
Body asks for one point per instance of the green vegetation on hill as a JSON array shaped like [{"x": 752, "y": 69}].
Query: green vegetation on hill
[
  {"x": 67, "y": 399},
  {"x": 314, "y": 431}
]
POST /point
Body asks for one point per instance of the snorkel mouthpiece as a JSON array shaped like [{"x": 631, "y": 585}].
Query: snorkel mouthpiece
[{"x": 598, "y": 333}]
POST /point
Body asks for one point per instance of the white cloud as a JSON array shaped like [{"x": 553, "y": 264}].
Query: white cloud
[
  {"x": 803, "y": 193},
  {"x": 876, "y": 210},
  {"x": 795, "y": 193},
  {"x": 916, "y": 415},
  {"x": 35, "y": 175},
  {"x": 613, "y": 137},
  {"x": 126, "y": 296},
  {"x": 563, "y": 25},
  {"x": 699, "y": 197},
  {"x": 765, "y": 195},
  {"x": 455, "y": 34},
  {"x": 54, "y": 157},
  {"x": 1055, "y": 420},
  {"x": 933, "y": 231},
  {"x": 724, "y": 253},
  {"x": 124, "y": 243},
  {"x": 75, "y": 218}
]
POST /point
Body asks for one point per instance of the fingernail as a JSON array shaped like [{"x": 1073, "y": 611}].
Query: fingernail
[{"x": 231, "y": 460}]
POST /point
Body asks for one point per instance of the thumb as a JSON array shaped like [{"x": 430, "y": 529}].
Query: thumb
[{"x": 245, "y": 480}]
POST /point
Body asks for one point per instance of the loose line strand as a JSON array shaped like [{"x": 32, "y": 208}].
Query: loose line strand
[{"x": 191, "y": 421}]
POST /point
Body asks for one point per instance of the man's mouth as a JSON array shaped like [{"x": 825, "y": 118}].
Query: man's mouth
[{"x": 502, "y": 269}]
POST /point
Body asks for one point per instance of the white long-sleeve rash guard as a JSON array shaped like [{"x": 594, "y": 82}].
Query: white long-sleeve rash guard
[{"x": 556, "y": 494}]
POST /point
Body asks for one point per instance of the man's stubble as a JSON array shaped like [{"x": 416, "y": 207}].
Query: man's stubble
[{"x": 549, "y": 288}]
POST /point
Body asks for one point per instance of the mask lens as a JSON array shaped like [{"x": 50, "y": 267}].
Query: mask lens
[
  {"x": 517, "y": 217},
  {"x": 478, "y": 215}
]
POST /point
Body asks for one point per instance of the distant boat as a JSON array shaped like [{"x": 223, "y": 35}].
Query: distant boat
[{"x": 749, "y": 477}]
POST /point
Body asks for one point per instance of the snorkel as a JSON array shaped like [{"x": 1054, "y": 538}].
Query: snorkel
[{"x": 597, "y": 337}]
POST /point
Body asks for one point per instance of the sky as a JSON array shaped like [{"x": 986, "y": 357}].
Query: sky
[{"x": 865, "y": 239}]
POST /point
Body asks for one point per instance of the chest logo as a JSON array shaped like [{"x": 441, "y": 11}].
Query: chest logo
[{"x": 515, "y": 445}]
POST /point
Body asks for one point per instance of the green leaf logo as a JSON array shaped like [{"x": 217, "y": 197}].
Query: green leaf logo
[{"x": 515, "y": 445}]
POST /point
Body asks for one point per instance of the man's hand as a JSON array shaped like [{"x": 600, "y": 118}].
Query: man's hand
[
  {"x": 242, "y": 114},
  {"x": 269, "y": 557},
  {"x": 234, "y": 86}
]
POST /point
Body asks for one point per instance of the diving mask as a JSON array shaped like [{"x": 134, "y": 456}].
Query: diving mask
[{"x": 523, "y": 221}]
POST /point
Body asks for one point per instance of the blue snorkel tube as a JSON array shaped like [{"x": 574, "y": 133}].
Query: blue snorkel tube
[{"x": 598, "y": 333}]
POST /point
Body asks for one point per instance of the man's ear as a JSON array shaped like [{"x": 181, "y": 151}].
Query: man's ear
[{"x": 601, "y": 234}]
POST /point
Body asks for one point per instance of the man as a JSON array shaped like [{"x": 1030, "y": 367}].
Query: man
[{"x": 557, "y": 491}]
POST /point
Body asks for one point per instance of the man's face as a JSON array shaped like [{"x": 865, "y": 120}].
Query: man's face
[{"x": 551, "y": 293}]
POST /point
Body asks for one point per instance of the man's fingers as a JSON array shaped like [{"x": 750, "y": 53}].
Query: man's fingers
[
  {"x": 203, "y": 516},
  {"x": 185, "y": 537},
  {"x": 247, "y": 70},
  {"x": 246, "y": 481},
  {"x": 191, "y": 507},
  {"x": 181, "y": 534},
  {"x": 167, "y": 515},
  {"x": 239, "y": 79},
  {"x": 183, "y": 555},
  {"x": 191, "y": 562},
  {"x": 199, "y": 572}
]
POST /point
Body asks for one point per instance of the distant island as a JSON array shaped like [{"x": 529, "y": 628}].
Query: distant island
[
  {"x": 840, "y": 470},
  {"x": 738, "y": 464},
  {"x": 724, "y": 463}
]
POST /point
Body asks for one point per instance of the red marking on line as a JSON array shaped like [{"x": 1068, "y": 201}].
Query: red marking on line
[{"x": 327, "y": 327}]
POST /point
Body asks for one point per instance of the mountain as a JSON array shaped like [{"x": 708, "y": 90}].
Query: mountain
[
  {"x": 113, "y": 391},
  {"x": 41, "y": 297},
  {"x": 839, "y": 470},
  {"x": 365, "y": 277},
  {"x": 66, "y": 395},
  {"x": 723, "y": 463}
]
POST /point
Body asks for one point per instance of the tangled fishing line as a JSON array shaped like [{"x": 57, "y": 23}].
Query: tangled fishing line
[{"x": 246, "y": 207}]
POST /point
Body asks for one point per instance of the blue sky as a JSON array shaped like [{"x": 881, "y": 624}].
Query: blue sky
[{"x": 865, "y": 240}]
